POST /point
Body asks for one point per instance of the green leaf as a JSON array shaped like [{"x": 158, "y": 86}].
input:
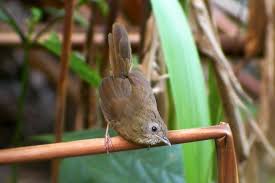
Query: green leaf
[
  {"x": 187, "y": 84},
  {"x": 36, "y": 14},
  {"x": 215, "y": 103},
  {"x": 33, "y": 20},
  {"x": 158, "y": 164},
  {"x": 103, "y": 6},
  {"x": 77, "y": 62},
  {"x": 216, "y": 108}
]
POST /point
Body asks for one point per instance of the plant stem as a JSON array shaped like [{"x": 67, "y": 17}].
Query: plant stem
[
  {"x": 11, "y": 21},
  {"x": 62, "y": 84},
  {"x": 20, "y": 107}
]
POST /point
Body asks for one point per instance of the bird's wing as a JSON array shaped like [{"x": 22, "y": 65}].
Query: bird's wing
[
  {"x": 125, "y": 97},
  {"x": 142, "y": 89},
  {"x": 115, "y": 94}
]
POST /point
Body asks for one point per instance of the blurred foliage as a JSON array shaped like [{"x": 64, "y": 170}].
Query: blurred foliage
[
  {"x": 101, "y": 4},
  {"x": 3, "y": 17},
  {"x": 77, "y": 16},
  {"x": 36, "y": 15},
  {"x": 82, "y": 21},
  {"x": 156, "y": 164},
  {"x": 187, "y": 84},
  {"x": 77, "y": 61},
  {"x": 7, "y": 18}
]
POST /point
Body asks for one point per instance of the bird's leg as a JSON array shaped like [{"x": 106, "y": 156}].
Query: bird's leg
[{"x": 108, "y": 141}]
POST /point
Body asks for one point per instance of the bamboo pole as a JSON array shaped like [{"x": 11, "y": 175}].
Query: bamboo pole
[{"x": 227, "y": 164}]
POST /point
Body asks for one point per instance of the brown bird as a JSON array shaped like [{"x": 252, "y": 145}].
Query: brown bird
[{"x": 126, "y": 97}]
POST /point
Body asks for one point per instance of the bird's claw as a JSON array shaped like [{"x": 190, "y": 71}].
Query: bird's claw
[{"x": 108, "y": 143}]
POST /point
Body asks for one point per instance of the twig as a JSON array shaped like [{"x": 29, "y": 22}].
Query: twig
[
  {"x": 227, "y": 167},
  {"x": 267, "y": 92},
  {"x": 262, "y": 138},
  {"x": 62, "y": 84}
]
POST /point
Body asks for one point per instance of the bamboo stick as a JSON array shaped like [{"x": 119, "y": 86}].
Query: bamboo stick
[
  {"x": 96, "y": 146},
  {"x": 227, "y": 163}
]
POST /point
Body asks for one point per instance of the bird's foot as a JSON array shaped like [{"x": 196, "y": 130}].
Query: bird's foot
[{"x": 108, "y": 143}]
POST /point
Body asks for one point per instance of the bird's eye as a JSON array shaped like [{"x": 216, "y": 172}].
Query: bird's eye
[{"x": 154, "y": 128}]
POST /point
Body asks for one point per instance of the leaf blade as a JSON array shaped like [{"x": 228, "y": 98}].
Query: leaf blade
[{"x": 187, "y": 83}]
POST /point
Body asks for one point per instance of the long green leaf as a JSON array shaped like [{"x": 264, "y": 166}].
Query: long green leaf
[
  {"x": 77, "y": 63},
  {"x": 187, "y": 83},
  {"x": 215, "y": 103}
]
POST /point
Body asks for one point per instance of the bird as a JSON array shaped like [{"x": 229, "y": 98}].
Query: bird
[{"x": 126, "y": 97}]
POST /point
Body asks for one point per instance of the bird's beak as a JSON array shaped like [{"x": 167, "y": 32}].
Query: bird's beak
[{"x": 164, "y": 139}]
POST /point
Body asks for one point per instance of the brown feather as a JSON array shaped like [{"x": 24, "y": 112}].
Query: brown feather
[{"x": 119, "y": 51}]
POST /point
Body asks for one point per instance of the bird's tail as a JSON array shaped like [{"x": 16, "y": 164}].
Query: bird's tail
[{"x": 120, "y": 53}]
